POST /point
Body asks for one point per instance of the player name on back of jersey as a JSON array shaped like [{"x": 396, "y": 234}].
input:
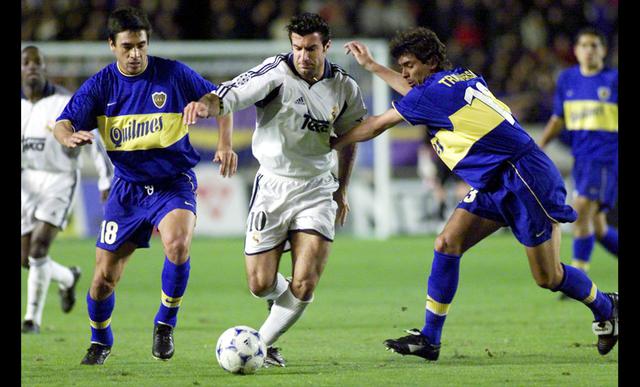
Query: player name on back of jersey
[{"x": 451, "y": 79}]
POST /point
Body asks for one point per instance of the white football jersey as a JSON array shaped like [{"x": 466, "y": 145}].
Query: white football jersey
[
  {"x": 42, "y": 152},
  {"x": 295, "y": 119}
]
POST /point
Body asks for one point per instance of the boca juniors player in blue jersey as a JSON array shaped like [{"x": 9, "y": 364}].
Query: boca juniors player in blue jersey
[
  {"x": 586, "y": 105},
  {"x": 514, "y": 183},
  {"x": 136, "y": 103}
]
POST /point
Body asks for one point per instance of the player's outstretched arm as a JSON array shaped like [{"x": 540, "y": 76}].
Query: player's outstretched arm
[
  {"x": 363, "y": 56},
  {"x": 225, "y": 155},
  {"x": 551, "y": 130},
  {"x": 371, "y": 127},
  {"x": 64, "y": 134},
  {"x": 205, "y": 107}
]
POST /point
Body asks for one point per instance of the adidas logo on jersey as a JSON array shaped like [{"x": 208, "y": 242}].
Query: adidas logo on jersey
[{"x": 299, "y": 101}]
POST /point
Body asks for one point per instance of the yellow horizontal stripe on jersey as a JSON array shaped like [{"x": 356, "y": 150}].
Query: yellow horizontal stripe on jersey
[
  {"x": 592, "y": 294},
  {"x": 207, "y": 136},
  {"x": 101, "y": 324},
  {"x": 141, "y": 131},
  {"x": 470, "y": 123},
  {"x": 591, "y": 115},
  {"x": 170, "y": 302},
  {"x": 437, "y": 308}
]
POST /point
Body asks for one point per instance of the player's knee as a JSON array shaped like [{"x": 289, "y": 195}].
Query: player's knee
[
  {"x": 303, "y": 288},
  {"x": 599, "y": 231},
  {"x": 104, "y": 284},
  {"x": 446, "y": 244},
  {"x": 259, "y": 286},
  {"x": 177, "y": 248},
  {"x": 544, "y": 282},
  {"x": 548, "y": 280},
  {"x": 24, "y": 260}
]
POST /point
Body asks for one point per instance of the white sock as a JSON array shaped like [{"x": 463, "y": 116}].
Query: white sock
[
  {"x": 280, "y": 286},
  {"x": 37, "y": 287},
  {"x": 285, "y": 311},
  {"x": 61, "y": 274}
]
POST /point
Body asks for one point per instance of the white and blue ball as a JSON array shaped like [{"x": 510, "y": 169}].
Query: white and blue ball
[{"x": 240, "y": 350}]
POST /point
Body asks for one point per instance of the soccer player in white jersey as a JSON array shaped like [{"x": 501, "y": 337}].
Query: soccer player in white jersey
[
  {"x": 301, "y": 99},
  {"x": 49, "y": 181}
]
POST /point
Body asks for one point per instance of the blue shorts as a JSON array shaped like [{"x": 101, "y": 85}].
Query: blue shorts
[
  {"x": 529, "y": 196},
  {"x": 598, "y": 181},
  {"x": 133, "y": 210}
]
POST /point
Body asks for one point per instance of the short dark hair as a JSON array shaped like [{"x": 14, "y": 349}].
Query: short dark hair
[
  {"x": 127, "y": 19},
  {"x": 594, "y": 32},
  {"x": 30, "y": 47},
  {"x": 423, "y": 43},
  {"x": 308, "y": 23}
]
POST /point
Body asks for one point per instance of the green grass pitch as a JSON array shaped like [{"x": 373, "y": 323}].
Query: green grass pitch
[{"x": 501, "y": 329}]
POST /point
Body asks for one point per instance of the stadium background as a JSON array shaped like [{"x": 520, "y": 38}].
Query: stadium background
[
  {"x": 519, "y": 47},
  {"x": 502, "y": 331}
]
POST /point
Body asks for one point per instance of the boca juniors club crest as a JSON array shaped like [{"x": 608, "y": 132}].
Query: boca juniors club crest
[
  {"x": 604, "y": 93},
  {"x": 159, "y": 98}
]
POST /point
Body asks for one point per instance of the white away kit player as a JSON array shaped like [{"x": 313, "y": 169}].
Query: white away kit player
[
  {"x": 302, "y": 100},
  {"x": 50, "y": 177}
]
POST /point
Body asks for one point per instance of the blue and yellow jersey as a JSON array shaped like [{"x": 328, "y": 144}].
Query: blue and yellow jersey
[
  {"x": 589, "y": 107},
  {"x": 140, "y": 117},
  {"x": 472, "y": 132}
]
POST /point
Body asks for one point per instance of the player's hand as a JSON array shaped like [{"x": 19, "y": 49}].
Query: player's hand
[
  {"x": 334, "y": 143},
  {"x": 77, "y": 139},
  {"x": 193, "y": 111},
  {"x": 228, "y": 160},
  {"x": 104, "y": 195},
  {"x": 360, "y": 52},
  {"x": 340, "y": 196}
]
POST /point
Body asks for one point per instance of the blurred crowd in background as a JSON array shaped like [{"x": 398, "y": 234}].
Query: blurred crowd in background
[{"x": 519, "y": 46}]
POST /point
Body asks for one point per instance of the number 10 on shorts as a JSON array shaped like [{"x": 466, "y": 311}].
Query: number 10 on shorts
[{"x": 108, "y": 231}]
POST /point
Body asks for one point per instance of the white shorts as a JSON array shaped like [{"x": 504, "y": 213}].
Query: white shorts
[
  {"x": 47, "y": 197},
  {"x": 280, "y": 205}
]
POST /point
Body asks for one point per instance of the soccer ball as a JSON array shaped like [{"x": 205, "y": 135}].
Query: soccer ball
[{"x": 240, "y": 350}]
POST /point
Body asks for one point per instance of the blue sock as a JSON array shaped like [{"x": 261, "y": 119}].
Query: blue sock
[
  {"x": 578, "y": 286},
  {"x": 441, "y": 287},
  {"x": 610, "y": 241},
  {"x": 100, "y": 319},
  {"x": 582, "y": 249},
  {"x": 174, "y": 284}
]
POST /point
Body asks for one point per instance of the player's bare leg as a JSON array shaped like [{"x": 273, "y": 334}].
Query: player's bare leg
[
  {"x": 309, "y": 254},
  {"x": 43, "y": 269},
  {"x": 108, "y": 271},
  {"x": 606, "y": 235},
  {"x": 262, "y": 273},
  {"x": 550, "y": 273},
  {"x": 25, "y": 241},
  {"x": 176, "y": 232},
  {"x": 583, "y": 232},
  {"x": 600, "y": 225},
  {"x": 462, "y": 231},
  {"x": 544, "y": 261},
  {"x": 101, "y": 300}
]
